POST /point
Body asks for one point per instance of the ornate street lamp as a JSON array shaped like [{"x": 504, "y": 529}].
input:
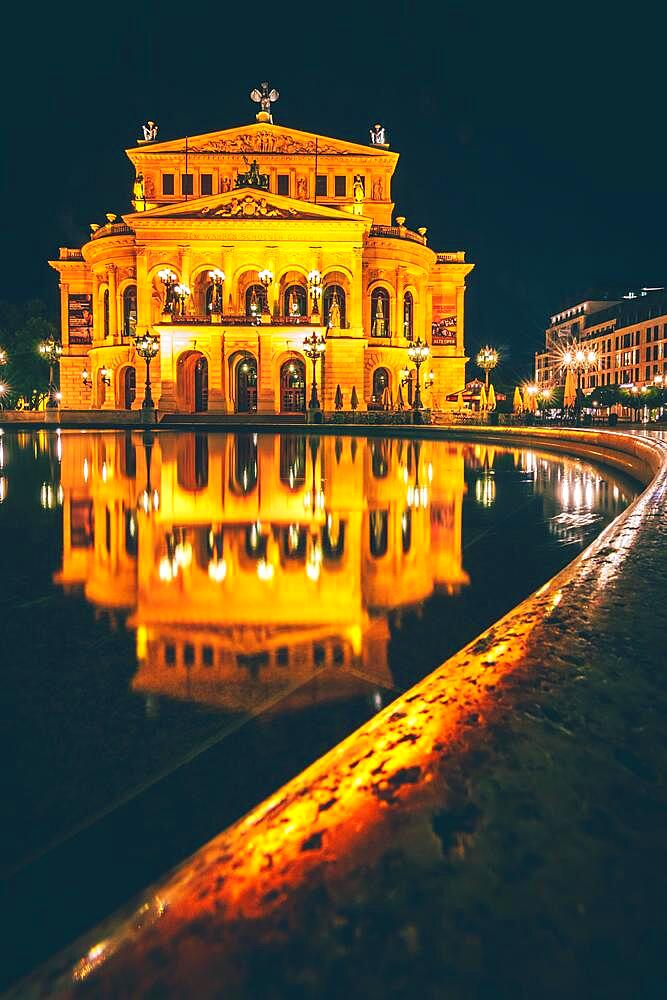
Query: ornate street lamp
[
  {"x": 105, "y": 375},
  {"x": 418, "y": 354},
  {"x": 314, "y": 348},
  {"x": 86, "y": 380},
  {"x": 147, "y": 347},
  {"x": 217, "y": 277},
  {"x": 51, "y": 350},
  {"x": 266, "y": 278},
  {"x": 169, "y": 280},
  {"x": 181, "y": 293},
  {"x": 315, "y": 288},
  {"x": 579, "y": 361},
  {"x": 487, "y": 359}
]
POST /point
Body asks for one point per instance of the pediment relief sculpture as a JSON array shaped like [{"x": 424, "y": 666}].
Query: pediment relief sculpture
[
  {"x": 265, "y": 142},
  {"x": 249, "y": 208}
]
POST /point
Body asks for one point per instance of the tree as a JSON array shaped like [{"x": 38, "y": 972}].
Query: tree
[{"x": 22, "y": 328}]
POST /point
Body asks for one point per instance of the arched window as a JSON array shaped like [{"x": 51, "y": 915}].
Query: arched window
[
  {"x": 333, "y": 539},
  {"x": 130, "y": 311},
  {"x": 334, "y": 294},
  {"x": 192, "y": 462},
  {"x": 380, "y": 313},
  {"x": 245, "y": 465},
  {"x": 378, "y": 523},
  {"x": 105, "y": 313},
  {"x": 380, "y": 459},
  {"x": 380, "y": 383},
  {"x": 295, "y": 302},
  {"x": 406, "y": 530},
  {"x": 408, "y": 315},
  {"x": 292, "y": 460},
  {"x": 255, "y": 300}
]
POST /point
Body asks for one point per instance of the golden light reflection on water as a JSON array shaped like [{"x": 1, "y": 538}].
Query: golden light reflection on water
[{"x": 247, "y": 564}]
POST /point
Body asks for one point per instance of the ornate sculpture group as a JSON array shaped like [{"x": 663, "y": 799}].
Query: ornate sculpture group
[
  {"x": 150, "y": 130},
  {"x": 252, "y": 177}
]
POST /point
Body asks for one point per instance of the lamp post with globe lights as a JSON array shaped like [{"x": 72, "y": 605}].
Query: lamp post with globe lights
[
  {"x": 266, "y": 278},
  {"x": 169, "y": 280},
  {"x": 51, "y": 350},
  {"x": 147, "y": 346},
  {"x": 315, "y": 289},
  {"x": 314, "y": 348},
  {"x": 418, "y": 354},
  {"x": 217, "y": 279},
  {"x": 487, "y": 359},
  {"x": 579, "y": 361}
]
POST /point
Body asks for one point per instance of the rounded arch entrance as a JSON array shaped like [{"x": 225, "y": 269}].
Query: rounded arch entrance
[
  {"x": 127, "y": 386},
  {"x": 192, "y": 382},
  {"x": 244, "y": 382},
  {"x": 293, "y": 385}
]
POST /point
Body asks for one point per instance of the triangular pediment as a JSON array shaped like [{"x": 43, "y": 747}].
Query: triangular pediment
[
  {"x": 244, "y": 203},
  {"x": 260, "y": 137}
]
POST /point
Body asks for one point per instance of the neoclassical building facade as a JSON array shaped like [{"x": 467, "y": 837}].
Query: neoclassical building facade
[{"x": 242, "y": 243}]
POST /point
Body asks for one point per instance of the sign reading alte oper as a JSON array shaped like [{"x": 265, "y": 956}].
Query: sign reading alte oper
[{"x": 241, "y": 244}]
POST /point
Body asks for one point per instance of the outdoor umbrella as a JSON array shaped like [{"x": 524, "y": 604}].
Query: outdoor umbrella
[
  {"x": 459, "y": 401},
  {"x": 483, "y": 402},
  {"x": 517, "y": 402},
  {"x": 399, "y": 397},
  {"x": 526, "y": 399},
  {"x": 570, "y": 391},
  {"x": 386, "y": 398},
  {"x": 492, "y": 397}
]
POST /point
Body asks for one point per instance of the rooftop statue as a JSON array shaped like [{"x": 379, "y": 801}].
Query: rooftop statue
[
  {"x": 150, "y": 130},
  {"x": 265, "y": 98},
  {"x": 378, "y": 135}
]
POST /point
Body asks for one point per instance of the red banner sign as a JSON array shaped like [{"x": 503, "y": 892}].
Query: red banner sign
[{"x": 443, "y": 332}]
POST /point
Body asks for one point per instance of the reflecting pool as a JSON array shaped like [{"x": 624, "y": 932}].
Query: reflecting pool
[{"x": 189, "y": 619}]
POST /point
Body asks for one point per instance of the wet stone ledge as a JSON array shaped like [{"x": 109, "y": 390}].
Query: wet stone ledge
[{"x": 497, "y": 831}]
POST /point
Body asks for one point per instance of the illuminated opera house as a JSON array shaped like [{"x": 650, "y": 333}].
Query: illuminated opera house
[
  {"x": 247, "y": 565},
  {"x": 239, "y": 245}
]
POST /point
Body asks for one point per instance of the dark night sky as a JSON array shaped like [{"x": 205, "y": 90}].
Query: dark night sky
[{"x": 533, "y": 138}]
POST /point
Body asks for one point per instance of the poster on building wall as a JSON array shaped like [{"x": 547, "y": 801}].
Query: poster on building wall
[
  {"x": 443, "y": 332},
  {"x": 80, "y": 318}
]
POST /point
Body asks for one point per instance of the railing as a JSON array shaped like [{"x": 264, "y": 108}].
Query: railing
[
  {"x": 397, "y": 233},
  {"x": 66, "y": 254},
  {"x": 113, "y": 229},
  {"x": 228, "y": 319},
  {"x": 453, "y": 257}
]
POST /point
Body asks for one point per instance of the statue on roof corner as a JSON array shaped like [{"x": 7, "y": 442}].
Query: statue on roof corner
[
  {"x": 378, "y": 135},
  {"x": 150, "y": 131},
  {"x": 265, "y": 98}
]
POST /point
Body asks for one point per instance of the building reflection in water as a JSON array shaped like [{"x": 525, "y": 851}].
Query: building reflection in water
[{"x": 251, "y": 565}]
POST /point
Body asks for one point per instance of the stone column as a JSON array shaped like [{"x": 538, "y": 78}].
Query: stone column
[
  {"x": 217, "y": 402},
  {"x": 144, "y": 292},
  {"x": 460, "y": 293},
  {"x": 64, "y": 313},
  {"x": 266, "y": 401},
  {"x": 113, "y": 304}
]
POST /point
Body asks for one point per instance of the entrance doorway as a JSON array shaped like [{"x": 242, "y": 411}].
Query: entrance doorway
[
  {"x": 293, "y": 386},
  {"x": 129, "y": 387},
  {"x": 246, "y": 385},
  {"x": 201, "y": 385}
]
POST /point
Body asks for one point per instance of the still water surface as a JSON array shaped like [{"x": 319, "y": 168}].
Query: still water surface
[{"x": 190, "y": 619}]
